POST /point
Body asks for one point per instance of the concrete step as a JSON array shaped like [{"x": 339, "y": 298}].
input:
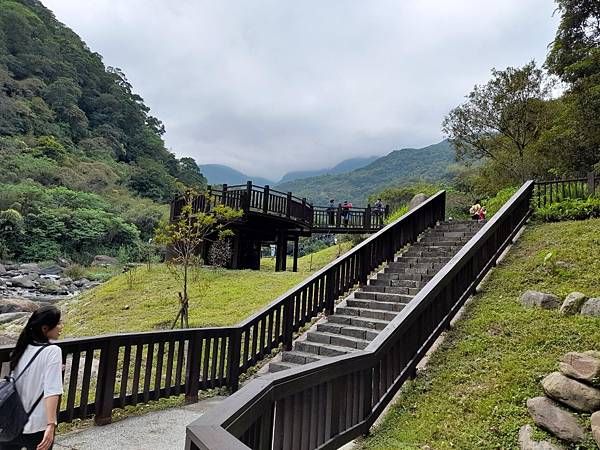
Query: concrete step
[
  {"x": 404, "y": 272},
  {"x": 348, "y": 330},
  {"x": 394, "y": 283},
  {"x": 299, "y": 357},
  {"x": 279, "y": 366},
  {"x": 374, "y": 304},
  {"x": 368, "y": 313},
  {"x": 324, "y": 337},
  {"x": 320, "y": 349},
  {"x": 381, "y": 297},
  {"x": 424, "y": 259},
  {"x": 357, "y": 321},
  {"x": 389, "y": 289}
]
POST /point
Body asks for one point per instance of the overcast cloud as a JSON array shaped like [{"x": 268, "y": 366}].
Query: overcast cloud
[{"x": 269, "y": 86}]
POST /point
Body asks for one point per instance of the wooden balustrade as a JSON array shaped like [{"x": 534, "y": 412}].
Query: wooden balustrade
[
  {"x": 114, "y": 371},
  {"x": 552, "y": 191},
  {"x": 328, "y": 403}
]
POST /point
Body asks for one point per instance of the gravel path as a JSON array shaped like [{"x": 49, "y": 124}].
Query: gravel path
[{"x": 163, "y": 430}]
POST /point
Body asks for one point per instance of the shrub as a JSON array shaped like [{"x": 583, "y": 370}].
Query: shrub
[
  {"x": 74, "y": 271},
  {"x": 570, "y": 209},
  {"x": 494, "y": 204}
]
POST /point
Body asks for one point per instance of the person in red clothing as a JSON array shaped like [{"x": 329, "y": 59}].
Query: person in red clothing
[{"x": 346, "y": 214}]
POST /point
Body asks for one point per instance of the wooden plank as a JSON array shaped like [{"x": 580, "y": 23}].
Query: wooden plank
[
  {"x": 159, "y": 364},
  {"x": 85, "y": 384},
  {"x": 73, "y": 374},
  {"x": 135, "y": 388},
  {"x": 124, "y": 374}
]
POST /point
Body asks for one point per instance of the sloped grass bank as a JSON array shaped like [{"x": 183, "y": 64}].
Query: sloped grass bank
[
  {"x": 473, "y": 393},
  {"x": 147, "y": 299}
]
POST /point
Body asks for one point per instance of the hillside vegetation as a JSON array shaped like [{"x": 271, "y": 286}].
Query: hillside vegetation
[
  {"x": 80, "y": 153},
  {"x": 400, "y": 167},
  {"x": 474, "y": 390}
]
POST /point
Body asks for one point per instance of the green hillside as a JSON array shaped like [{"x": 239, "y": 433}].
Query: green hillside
[
  {"x": 80, "y": 154},
  {"x": 398, "y": 168}
]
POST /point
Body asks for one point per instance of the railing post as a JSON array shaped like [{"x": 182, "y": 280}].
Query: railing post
[
  {"x": 330, "y": 291},
  {"x": 288, "y": 323},
  {"x": 192, "y": 369},
  {"x": 367, "y": 221},
  {"x": 266, "y": 193},
  {"x": 246, "y": 205},
  {"x": 235, "y": 345},
  {"x": 107, "y": 374},
  {"x": 288, "y": 209},
  {"x": 304, "y": 208},
  {"x": 338, "y": 217},
  {"x": 364, "y": 266},
  {"x": 591, "y": 181},
  {"x": 224, "y": 192}
]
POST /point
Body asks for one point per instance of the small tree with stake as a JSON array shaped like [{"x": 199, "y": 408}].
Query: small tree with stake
[{"x": 185, "y": 236}]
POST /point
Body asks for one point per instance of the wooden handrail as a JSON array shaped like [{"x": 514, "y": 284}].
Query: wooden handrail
[
  {"x": 348, "y": 392},
  {"x": 138, "y": 367}
]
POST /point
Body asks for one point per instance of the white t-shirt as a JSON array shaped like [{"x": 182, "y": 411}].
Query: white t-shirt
[{"x": 44, "y": 374}]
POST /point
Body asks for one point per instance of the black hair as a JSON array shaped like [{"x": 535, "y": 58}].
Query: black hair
[
  {"x": 32, "y": 333},
  {"x": 477, "y": 202}
]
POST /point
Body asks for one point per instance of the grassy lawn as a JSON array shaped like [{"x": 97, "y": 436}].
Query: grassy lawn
[
  {"x": 147, "y": 299},
  {"x": 473, "y": 393}
]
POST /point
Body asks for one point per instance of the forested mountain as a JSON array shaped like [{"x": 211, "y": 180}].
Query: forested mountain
[
  {"x": 74, "y": 135},
  {"x": 395, "y": 169},
  {"x": 347, "y": 165},
  {"x": 219, "y": 174}
]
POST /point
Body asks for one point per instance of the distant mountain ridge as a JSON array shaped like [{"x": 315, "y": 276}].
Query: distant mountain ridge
[
  {"x": 348, "y": 165},
  {"x": 399, "y": 167},
  {"x": 219, "y": 174}
]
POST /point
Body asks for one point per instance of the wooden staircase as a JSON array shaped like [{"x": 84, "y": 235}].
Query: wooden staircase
[{"x": 364, "y": 313}]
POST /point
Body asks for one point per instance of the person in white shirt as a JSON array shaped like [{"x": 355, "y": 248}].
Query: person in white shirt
[{"x": 43, "y": 378}]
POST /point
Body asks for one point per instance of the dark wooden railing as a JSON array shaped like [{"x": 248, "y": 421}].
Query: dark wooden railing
[
  {"x": 251, "y": 198},
  {"x": 328, "y": 403},
  {"x": 106, "y": 372},
  {"x": 325, "y": 218},
  {"x": 553, "y": 191},
  {"x": 264, "y": 200}
]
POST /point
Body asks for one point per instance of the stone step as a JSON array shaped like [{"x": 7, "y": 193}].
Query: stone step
[
  {"x": 320, "y": 349},
  {"x": 392, "y": 289},
  {"x": 395, "y": 282},
  {"x": 374, "y": 304},
  {"x": 279, "y": 366},
  {"x": 381, "y": 297},
  {"x": 415, "y": 276},
  {"x": 357, "y": 321},
  {"x": 417, "y": 253},
  {"x": 348, "y": 330},
  {"x": 368, "y": 313},
  {"x": 324, "y": 337},
  {"x": 405, "y": 272},
  {"x": 299, "y": 357},
  {"x": 424, "y": 259}
]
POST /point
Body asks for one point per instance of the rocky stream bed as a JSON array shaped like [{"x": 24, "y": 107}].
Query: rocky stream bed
[{"x": 26, "y": 287}]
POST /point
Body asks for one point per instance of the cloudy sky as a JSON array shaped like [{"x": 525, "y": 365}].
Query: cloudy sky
[{"x": 269, "y": 86}]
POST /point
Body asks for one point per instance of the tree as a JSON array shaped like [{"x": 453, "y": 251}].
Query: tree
[
  {"x": 501, "y": 119},
  {"x": 185, "y": 236}
]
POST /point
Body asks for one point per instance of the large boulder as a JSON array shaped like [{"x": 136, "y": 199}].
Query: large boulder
[
  {"x": 596, "y": 427},
  {"x": 416, "y": 201},
  {"x": 2, "y": 270},
  {"x": 582, "y": 366},
  {"x": 29, "y": 267},
  {"x": 10, "y": 317},
  {"x": 573, "y": 393},
  {"x": 52, "y": 270},
  {"x": 526, "y": 441},
  {"x": 573, "y": 303},
  {"x": 23, "y": 281},
  {"x": 535, "y": 299},
  {"x": 591, "y": 307},
  {"x": 12, "y": 305},
  {"x": 549, "y": 416},
  {"x": 104, "y": 261},
  {"x": 52, "y": 287}
]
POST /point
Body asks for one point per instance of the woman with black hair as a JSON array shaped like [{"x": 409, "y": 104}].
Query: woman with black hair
[{"x": 42, "y": 382}]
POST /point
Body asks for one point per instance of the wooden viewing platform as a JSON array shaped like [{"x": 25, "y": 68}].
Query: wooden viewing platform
[{"x": 274, "y": 217}]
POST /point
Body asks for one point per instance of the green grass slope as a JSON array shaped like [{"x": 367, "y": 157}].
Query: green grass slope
[
  {"x": 397, "y": 168},
  {"x": 147, "y": 299},
  {"x": 473, "y": 393}
]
